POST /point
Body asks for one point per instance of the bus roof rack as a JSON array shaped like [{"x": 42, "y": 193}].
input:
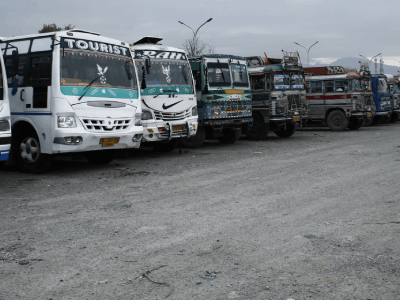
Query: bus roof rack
[
  {"x": 83, "y": 31},
  {"x": 148, "y": 40}
]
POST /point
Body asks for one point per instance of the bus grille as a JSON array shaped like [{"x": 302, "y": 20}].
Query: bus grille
[
  {"x": 106, "y": 125},
  {"x": 172, "y": 116}
]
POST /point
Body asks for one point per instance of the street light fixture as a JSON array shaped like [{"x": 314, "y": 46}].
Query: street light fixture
[
  {"x": 308, "y": 51},
  {"x": 195, "y": 34},
  {"x": 369, "y": 60}
]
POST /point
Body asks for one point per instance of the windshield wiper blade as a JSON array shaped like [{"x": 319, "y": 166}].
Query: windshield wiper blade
[
  {"x": 87, "y": 87},
  {"x": 164, "y": 91}
]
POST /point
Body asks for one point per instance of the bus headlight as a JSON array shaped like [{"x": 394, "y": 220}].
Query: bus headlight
[
  {"x": 66, "y": 122},
  {"x": 194, "y": 111},
  {"x": 138, "y": 119},
  {"x": 146, "y": 115},
  {"x": 4, "y": 125}
]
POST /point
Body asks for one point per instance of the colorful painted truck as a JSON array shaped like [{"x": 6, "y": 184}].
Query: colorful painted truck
[
  {"x": 394, "y": 90},
  {"x": 5, "y": 115},
  {"x": 77, "y": 92},
  {"x": 278, "y": 95},
  {"x": 339, "y": 97},
  {"x": 382, "y": 99},
  {"x": 223, "y": 98},
  {"x": 168, "y": 96}
]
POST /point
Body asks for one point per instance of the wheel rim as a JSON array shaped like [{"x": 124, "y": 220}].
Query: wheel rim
[
  {"x": 337, "y": 120},
  {"x": 29, "y": 149}
]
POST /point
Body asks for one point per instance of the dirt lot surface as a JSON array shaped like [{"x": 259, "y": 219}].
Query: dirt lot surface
[{"x": 314, "y": 216}]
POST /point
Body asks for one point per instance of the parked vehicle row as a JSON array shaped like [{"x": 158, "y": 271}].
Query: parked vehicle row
[{"x": 77, "y": 91}]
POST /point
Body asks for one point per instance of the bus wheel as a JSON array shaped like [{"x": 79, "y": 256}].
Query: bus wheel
[
  {"x": 394, "y": 117},
  {"x": 197, "y": 140},
  {"x": 368, "y": 121},
  {"x": 100, "y": 157},
  {"x": 166, "y": 147},
  {"x": 259, "y": 130},
  {"x": 286, "y": 132},
  {"x": 337, "y": 120},
  {"x": 230, "y": 136},
  {"x": 31, "y": 160},
  {"x": 355, "y": 123}
]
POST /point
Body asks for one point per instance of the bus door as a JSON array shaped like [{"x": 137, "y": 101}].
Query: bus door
[
  {"x": 5, "y": 115},
  {"x": 316, "y": 98}
]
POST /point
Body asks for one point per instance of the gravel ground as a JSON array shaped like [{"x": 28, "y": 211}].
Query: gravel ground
[{"x": 314, "y": 216}]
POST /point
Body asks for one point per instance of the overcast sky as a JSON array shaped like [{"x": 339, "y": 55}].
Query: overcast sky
[{"x": 344, "y": 28}]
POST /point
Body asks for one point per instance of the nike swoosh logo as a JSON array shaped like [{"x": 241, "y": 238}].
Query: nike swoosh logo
[{"x": 168, "y": 106}]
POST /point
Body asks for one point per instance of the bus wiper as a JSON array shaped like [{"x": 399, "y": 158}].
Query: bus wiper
[
  {"x": 222, "y": 72},
  {"x": 164, "y": 91},
  {"x": 87, "y": 87}
]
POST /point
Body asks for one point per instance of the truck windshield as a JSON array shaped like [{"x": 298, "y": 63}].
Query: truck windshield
[
  {"x": 218, "y": 74},
  {"x": 106, "y": 70},
  {"x": 297, "y": 82},
  {"x": 282, "y": 81},
  {"x": 382, "y": 86},
  {"x": 166, "y": 73},
  {"x": 239, "y": 75},
  {"x": 361, "y": 85}
]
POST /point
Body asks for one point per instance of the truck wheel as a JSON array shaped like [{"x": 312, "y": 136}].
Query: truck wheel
[
  {"x": 394, "y": 117},
  {"x": 259, "y": 130},
  {"x": 197, "y": 140},
  {"x": 376, "y": 120},
  {"x": 368, "y": 122},
  {"x": 385, "y": 119},
  {"x": 166, "y": 147},
  {"x": 355, "y": 123},
  {"x": 230, "y": 136},
  {"x": 286, "y": 132},
  {"x": 337, "y": 120},
  {"x": 101, "y": 157},
  {"x": 30, "y": 159}
]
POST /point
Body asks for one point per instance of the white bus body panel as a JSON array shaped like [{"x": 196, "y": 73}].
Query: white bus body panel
[{"x": 5, "y": 115}]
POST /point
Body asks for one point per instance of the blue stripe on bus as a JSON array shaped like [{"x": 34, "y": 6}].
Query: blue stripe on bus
[{"x": 31, "y": 114}]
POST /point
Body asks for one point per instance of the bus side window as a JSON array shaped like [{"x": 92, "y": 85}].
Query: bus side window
[
  {"x": 40, "y": 78},
  {"x": 340, "y": 86},
  {"x": 308, "y": 87},
  {"x": 328, "y": 86},
  {"x": 316, "y": 86},
  {"x": 21, "y": 71}
]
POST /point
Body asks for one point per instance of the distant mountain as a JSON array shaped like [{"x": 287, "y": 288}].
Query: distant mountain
[{"x": 353, "y": 62}]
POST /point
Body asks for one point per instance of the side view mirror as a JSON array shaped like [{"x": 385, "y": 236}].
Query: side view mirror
[
  {"x": 15, "y": 62},
  {"x": 143, "y": 84},
  {"x": 148, "y": 65}
]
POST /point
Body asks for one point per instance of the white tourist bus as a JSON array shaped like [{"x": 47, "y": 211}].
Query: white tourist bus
[
  {"x": 168, "y": 94},
  {"x": 77, "y": 92},
  {"x": 5, "y": 117}
]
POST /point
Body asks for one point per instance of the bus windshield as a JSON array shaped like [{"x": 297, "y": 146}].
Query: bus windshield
[
  {"x": 218, "y": 74},
  {"x": 297, "y": 82},
  {"x": 166, "y": 73},
  {"x": 282, "y": 81},
  {"x": 105, "y": 70},
  {"x": 239, "y": 75}
]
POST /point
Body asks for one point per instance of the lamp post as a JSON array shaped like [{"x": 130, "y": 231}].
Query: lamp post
[
  {"x": 193, "y": 46},
  {"x": 369, "y": 60},
  {"x": 308, "y": 51}
]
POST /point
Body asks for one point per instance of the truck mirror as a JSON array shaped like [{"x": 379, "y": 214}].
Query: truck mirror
[
  {"x": 148, "y": 65},
  {"x": 15, "y": 62}
]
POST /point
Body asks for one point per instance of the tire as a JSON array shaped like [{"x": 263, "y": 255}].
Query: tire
[
  {"x": 368, "y": 121},
  {"x": 386, "y": 119},
  {"x": 394, "y": 117},
  {"x": 259, "y": 130},
  {"x": 376, "y": 120},
  {"x": 286, "y": 132},
  {"x": 28, "y": 154},
  {"x": 230, "y": 136},
  {"x": 355, "y": 123},
  {"x": 101, "y": 157},
  {"x": 195, "y": 141},
  {"x": 337, "y": 120},
  {"x": 166, "y": 147}
]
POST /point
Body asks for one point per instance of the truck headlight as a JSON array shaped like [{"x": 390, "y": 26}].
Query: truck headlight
[
  {"x": 66, "y": 122},
  {"x": 146, "y": 115},
  {"x": 4, "y": 125},
  {"x": 194, "y": 111},
  {"x": 138, "y": 119}
]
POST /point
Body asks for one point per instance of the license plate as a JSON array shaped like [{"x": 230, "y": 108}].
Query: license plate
[
  {"x": 109, "y": 142},
  {"x": 296, "y": 118},
  {"x": 178, "y": 127},
  {"x": 369, "y": 114}
]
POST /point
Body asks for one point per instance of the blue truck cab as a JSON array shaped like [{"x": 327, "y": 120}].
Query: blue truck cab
[{"x": 381, "y": 99}]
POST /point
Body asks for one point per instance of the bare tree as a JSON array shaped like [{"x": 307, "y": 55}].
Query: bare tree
[
  {"x": 196, "y": 47},
  {"x": 53, "y": 27}
]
